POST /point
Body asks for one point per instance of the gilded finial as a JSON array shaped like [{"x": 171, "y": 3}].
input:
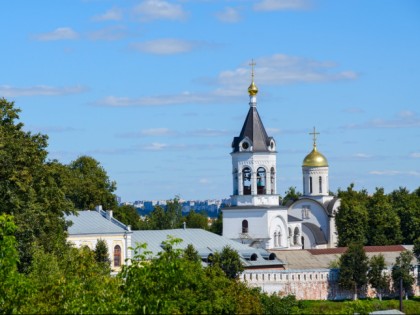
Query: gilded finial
[
  {"x": 314, "y": 134},
  {"x": 252, "y": 89}
]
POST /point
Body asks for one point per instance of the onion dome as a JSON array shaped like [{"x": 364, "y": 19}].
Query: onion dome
[
  {"x": 315, "y": 159},
  {"x": 252, "y": 90}
]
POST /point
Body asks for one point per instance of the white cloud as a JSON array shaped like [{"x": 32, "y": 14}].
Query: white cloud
[
  {"x": 273, "y": 70},
  {"x": 404, "y": 119},
  {"x": 166, "y": 46},
  {"x": 9, "y": 91},
  {"x": 61, "y": 33},
  {"x": 204, "y": 181},
  {"x": 114, "y": 14},
  {"x": 109, "y": 33},
  {"x": 415, "y": 155},
  {"x": 275, "y": 5},
  {"x": 159, "y": 10},
  {"x": 156, "y": 132},
  {"x": 395, "y": 173},
  {"x": 229, "y": 15},
  {"x": 155, "y": 146},
  {"x": 362, "y": 156}
]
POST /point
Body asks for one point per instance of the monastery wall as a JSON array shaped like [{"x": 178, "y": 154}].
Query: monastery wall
[{"x": 308, "y": 284}]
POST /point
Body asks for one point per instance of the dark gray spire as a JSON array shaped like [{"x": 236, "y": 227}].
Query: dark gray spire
[{"x": 253, "y": 129}]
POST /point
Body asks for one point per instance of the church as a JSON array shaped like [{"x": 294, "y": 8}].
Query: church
[{"x": 255, "y": 216}]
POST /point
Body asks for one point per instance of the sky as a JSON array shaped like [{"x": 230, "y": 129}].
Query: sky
[{"x": 156, "y": 90}]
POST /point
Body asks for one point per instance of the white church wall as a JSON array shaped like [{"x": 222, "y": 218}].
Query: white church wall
[
  {"x": 312, "y": 212},
  {"x": 278, "y": 232},
  {"x": 257, "y": 223}
]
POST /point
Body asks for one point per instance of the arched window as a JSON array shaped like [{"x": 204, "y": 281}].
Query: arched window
[
  {"x": 245, "y": 226},
  {"x": 279, "y": 239},
  {"x": 275, "y": 239},
  {"x": 310, "y": 184},
  {"x": 117, "y": 256},
  {"x": 246, "y": 178},
  {"x": 320, "y": 184},
  {"x": 261, "y": 181}
]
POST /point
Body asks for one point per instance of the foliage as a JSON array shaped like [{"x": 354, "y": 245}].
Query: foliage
[
  {"x": 229, "y": 261},
  {"x": 273, "y": 304},
  {"x": 163, "y": 219},
  {"x": 376, "y": 276},
  {"x": 407, "y": 206},
  {"x": 290, "y": 195},
  {"x": 88, "y": 185},
  {"x": 191, "y": 254},
  {"x": 196, "y": 220},
  {"x": 353, "y": 268},
  {"x": 402, "y": 270},
  {"x": 29, "y": 189},
  {"x": 102, "y": 254},
  {"x": 352, "y": 217},
  {"x": 416, "y": 249},
  {"x": 217, "y": 225},
  {"x": 170, "y": 283},
  {"x": 383, "y": 222},
  {"x": 128, "y": 215}
]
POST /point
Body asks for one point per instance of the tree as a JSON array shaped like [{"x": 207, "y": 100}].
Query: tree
[
  {"x": 352, "y": 217},
  {"x": 191, "y": 254},
  {"x": 29, "y": 189},
  {"x": 407, "y": 206},
  {"x": 353, "y": 269},
  {"x": 229, "y": 261},
  {"x": 128, "y": 215},
  {"x": 89, "y": 185},
  {"x": 383, "y": 222},
  {"x": 102, "y": 254},
  {"x": 217, "y": 225},
  {"x": 416, "y": 249},
  {"x": 376, "y": 276},
  {"x": 401, "y": 271},
  {"x": 290, "y": 195},
  {"x": 196, "y": 220},
  {"x": 164, "y": 218}
]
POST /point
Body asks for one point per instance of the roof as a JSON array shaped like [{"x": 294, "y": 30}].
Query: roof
[
  {"x": 322, "y": 258},
  {"x": 254, "y": 130},
  {"x": 291, "y": 218},
  {"x": 317, "y": 233},
  {"x": 94, "y": 222},
  {"x": 206, "y": 243}
]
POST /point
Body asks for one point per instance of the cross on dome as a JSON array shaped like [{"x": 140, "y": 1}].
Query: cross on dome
[{"x": 314, "y": 133}]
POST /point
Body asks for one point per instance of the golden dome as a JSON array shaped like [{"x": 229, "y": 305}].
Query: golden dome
[
  {"x": 252, "y": 90},
  {"x": 315, "y": 159}
]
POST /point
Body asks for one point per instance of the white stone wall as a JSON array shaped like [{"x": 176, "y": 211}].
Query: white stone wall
[{"x": 308, "y": 284}]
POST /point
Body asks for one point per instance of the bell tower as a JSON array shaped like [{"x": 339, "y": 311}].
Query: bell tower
[{"x": 254, "y": 159}]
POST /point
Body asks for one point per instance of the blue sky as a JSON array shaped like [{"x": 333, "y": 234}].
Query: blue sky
[{"x": 156, "y": 90}]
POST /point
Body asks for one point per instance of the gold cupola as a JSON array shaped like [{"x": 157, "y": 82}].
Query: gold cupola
[
  {"x": 252, "y": 89},
  {"x": 315, "y": 158}
]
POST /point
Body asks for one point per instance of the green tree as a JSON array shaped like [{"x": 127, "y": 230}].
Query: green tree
[
  {"x": 128, "y": 215},
  {"x": 416, "y": 249},
  {"x": 29, "y": 189},
  {"x": 217, "y": 225},
  {"x": 13, "y": 285},
  {"x": 383, "y": 222},
  {"x": 166, "y": 218},
  {"x": 352, "y": 217},
  {"x": 190, "y": 253},
  {"x": 102, "y": 254},
  {"x": 401, "y": 271},
  {"x": 196, "y": 220},
  {"x": 407, "y": 205},
  {"x": 353, "y": 269},
  {"x": 229, "y": 261},
  {"x": 290, "y": 195},
  {"x": 377, "y": 278},
  {"x": 89, "y": 185}
]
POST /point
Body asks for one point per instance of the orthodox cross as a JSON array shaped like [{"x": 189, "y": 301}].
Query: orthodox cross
[
  {"x": 314, "y": 133},
  {"x": 252, "y": 64}
]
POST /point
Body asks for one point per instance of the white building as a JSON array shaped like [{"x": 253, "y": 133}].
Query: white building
[{"x": 255, "y": 216}]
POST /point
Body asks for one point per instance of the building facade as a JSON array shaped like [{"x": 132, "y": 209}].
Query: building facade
[{"x": 255, "y": 216}]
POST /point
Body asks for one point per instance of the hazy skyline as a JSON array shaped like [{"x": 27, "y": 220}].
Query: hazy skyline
[{"x": 156, "y": 90}]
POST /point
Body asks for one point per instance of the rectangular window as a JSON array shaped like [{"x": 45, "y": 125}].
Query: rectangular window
[
  {"x": 310, "y": 185},
  {"x": 320, "y": 184}
]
